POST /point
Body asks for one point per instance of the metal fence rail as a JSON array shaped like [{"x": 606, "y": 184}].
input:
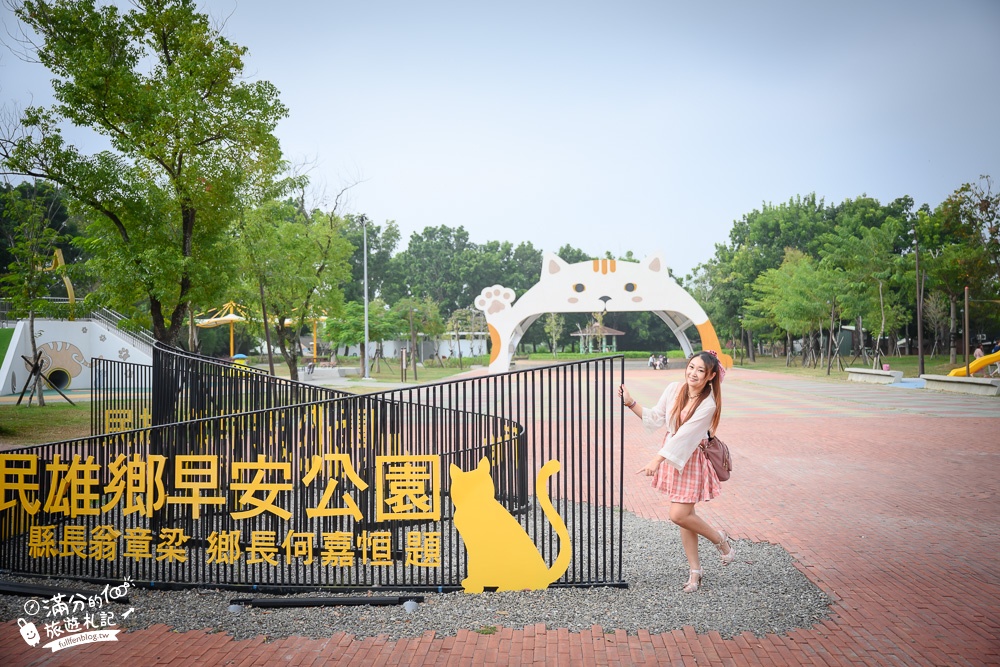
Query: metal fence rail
[
  {"x": 121, "y": 397},
  {"x": 340, "y": 491}
]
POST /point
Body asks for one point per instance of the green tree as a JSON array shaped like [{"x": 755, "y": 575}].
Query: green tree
[
  {"x": 32, "y": 244},
  {"x": 869, "y": 267},
  {"x": 299, "y": 263},
  {"x": 954, "y": 255},
  {"x": 555, "y": 325},
  {"x": 794, "y": 298},
  {"x": 187, "y": 136},
  {"x": 382, "y": 242},
  {"x": 428, "y": 268},
  {"x": 467, "y": 322},
  {"x": 348, "y": 328},
  {"x": 757, "y": 242},
  {"x": 421, "y": 316},
  {"x": 980, "y": 211},
  {"x": 58, "y": 218}
]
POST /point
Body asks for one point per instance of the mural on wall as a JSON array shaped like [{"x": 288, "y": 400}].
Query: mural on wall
[
  {"x": 589, "y": 287},
  {"x": 61, "y": 362},
  {"x": 67, "y": 349},
  {"x": 501, "y": 554}
]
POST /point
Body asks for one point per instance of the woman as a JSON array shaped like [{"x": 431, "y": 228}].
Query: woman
[{"x": 689, "y": 410}]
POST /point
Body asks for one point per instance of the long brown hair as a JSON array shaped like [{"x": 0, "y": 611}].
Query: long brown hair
[{"x": 712, "y": 365}]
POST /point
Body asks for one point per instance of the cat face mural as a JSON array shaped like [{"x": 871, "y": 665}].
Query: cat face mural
[
  {"x": 61, "y": 362},
  {"x": 589, "y": 287},
  {"x": 501, "y": 554}
]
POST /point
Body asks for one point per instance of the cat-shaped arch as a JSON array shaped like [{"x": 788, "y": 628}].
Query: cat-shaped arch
[{"x": 589, "y": 287}]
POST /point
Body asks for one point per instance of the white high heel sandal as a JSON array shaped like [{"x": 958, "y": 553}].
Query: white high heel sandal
[
  {"x": 694, "y": 581},
  {"x": 729, "y": 556}
]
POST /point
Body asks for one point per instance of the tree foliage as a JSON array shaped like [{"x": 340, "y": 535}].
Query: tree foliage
[
  {"x": 32, "y": 245},
  {"x": 299, "y": 262},
  {"x": 382, "y": 243},
  {"x": 187, "y": 138}
]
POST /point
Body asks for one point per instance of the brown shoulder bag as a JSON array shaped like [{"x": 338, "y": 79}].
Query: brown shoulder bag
[{"x": 718, "y": 455}]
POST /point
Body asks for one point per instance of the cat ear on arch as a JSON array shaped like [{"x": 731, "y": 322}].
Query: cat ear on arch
[
  {"x": 655, "y": 263},
  {"x": 552, "y": 264}
]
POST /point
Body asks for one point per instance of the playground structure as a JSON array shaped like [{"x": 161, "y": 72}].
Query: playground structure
[
  {"x": 225, "y": 476},
  {"x": 989, "y": 362},
  {"x": 600, "y": 285},
  {"x": 67, "y": 348}
]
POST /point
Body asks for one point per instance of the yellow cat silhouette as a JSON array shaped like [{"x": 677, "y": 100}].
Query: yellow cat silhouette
[{"x": 501, "y": 554}]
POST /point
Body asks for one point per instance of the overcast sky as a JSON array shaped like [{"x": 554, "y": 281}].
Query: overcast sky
[{"x": 643, "y": 126}]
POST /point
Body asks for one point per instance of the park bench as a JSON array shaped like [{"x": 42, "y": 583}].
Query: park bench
[
  {"x": 963, "y": 385},
  {"x": 874, "y": 376}
]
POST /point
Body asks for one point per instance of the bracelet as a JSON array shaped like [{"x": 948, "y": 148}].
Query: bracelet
[{"x": 630, "y": 405}]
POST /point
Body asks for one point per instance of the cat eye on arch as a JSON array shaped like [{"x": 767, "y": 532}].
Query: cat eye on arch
[
  {"x": 579, "y": 287},
  {"x": 630, "y": 287}
]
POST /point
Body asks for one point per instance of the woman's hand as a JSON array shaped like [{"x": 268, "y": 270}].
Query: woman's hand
[
  {"x": 651, "y": 467},
  {"x": 625, "y": 396}
]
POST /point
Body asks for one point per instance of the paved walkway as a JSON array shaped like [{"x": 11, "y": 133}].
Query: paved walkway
[{"x": 886, "y": 498}]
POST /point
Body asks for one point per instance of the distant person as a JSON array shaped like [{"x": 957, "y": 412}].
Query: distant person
[
  {"x": 996, "y": 346},
  {"x": 652, "y": 361},
  {"x": 978, "y": 353}
]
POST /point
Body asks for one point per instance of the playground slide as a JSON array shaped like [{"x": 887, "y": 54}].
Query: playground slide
[{"x": 978, "y": 364}]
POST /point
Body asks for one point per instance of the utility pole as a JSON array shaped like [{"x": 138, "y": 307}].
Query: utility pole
[
  {"x": 920, "y": 307},
  {"x": 364, "y": 236}
]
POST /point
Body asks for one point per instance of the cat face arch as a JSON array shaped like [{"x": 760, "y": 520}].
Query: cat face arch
[{"x": 594, "y": 286}]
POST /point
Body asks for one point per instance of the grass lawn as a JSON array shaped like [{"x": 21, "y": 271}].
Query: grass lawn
[{"x": 57, "y": 421}]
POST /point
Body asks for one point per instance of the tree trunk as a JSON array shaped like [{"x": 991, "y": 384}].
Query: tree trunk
[
  {"x": 39, "y": 387},
  {"x": 881, "y": 328},
  {"x": 829, "y": 347},
  {"x": 288, "y": 344},
  {"x": 859, "y": 336},
  {"x": 267, "y": 330},
  {"x": 749, "y": 346},
  {"x": 192, "y": 331}
]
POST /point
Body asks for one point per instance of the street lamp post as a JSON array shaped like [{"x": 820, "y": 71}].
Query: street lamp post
[
  {"x": 413, "y": 345},
  {"x": 920, "y": 305},
  {"x": 364, "y": 236}
]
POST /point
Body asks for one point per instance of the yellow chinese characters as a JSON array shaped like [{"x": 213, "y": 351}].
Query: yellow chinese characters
[{"x": 407, "y": 488}]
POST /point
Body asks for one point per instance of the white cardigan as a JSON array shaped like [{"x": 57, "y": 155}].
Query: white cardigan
[{"x": 679, "y": 443}]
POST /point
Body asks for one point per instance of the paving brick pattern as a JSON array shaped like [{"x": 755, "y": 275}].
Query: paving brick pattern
[{"x": 887, "y": 498}]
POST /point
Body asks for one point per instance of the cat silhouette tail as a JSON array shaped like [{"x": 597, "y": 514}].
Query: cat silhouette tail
[{"x": 561, "y": 563}]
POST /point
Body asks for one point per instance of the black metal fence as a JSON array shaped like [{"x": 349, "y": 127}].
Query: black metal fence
[
  {"x": 121, "y": 396},
  {"x": 274, "y": 485}
]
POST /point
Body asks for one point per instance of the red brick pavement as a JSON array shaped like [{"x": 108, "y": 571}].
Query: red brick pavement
[{"x": 885, "y": 497}]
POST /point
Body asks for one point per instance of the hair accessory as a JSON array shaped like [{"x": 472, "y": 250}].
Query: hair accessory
[{"x": 722, "y": 369}]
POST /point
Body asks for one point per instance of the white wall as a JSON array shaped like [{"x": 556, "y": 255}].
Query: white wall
[
  {"x": 445, "y": 348},
  {"x": 68, "y": 347}
]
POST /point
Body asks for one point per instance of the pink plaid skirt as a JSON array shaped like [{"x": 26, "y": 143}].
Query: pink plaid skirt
[{"x": 695, "y": 483}]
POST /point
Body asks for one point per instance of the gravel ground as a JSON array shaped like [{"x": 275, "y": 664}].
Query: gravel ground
[{"x": 761, "y": 592}]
